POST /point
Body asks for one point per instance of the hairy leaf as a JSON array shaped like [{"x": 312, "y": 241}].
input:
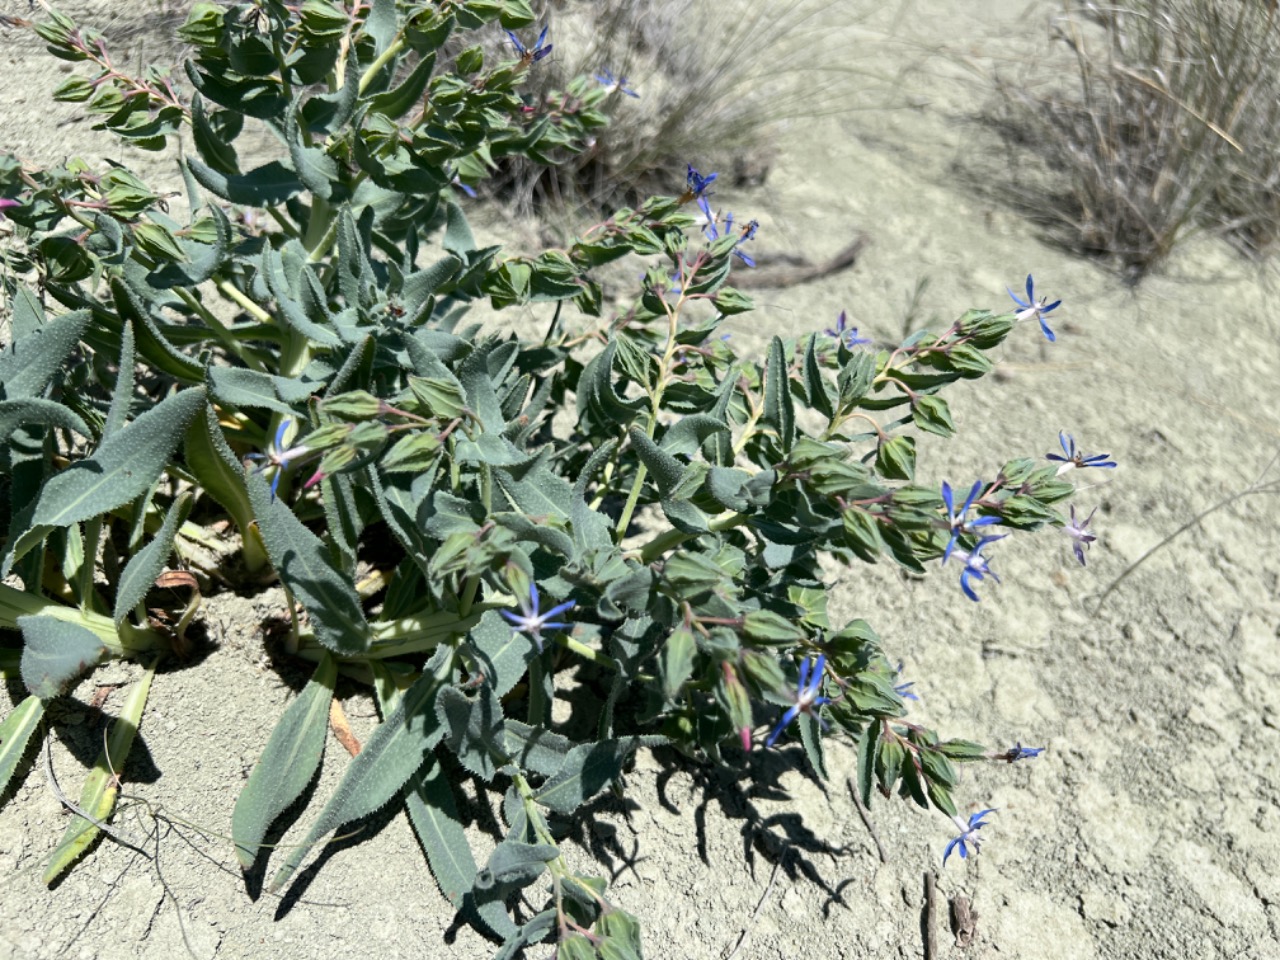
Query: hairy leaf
[
  {"x": 55, "y": 653},
  {"x": 288, "y": 763},
  {"x": 145, "y": 565},
  {"x": 15, "y": 734}
]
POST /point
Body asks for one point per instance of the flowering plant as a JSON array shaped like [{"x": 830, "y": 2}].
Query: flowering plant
[{"x": 624, "y": 500}]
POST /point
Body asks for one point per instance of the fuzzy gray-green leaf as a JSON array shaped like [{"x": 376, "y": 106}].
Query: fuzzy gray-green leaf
[
  {"x": 55, "y": 653},
  {"x": 391, "y": 755},
  {"x": 145, "y": 565},
  {"x": 28, "y": 363},
  {"x": 779, "y": 411},
  {"x": 122, "y": 468},
  {"x": 287, "y": 765},
  {"x": 15, "y": 734},
  {"x": 308, "y": 570},
  {"x": 35, "y": 410},
  {"x": 587, "y": 770}
]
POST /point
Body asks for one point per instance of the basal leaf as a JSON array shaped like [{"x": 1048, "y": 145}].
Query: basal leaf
[
  {"x": 308, "y": 571},
  {"x": 124, "y": 466},
  {"x": 536, "y": 748},
  {"x": 55, "y": 653},
  {"x": 391, "y": 755},
  {"x": 473, "y": 728},
  {"x": 98, "y": 796},
  {"x": 145, "y": 565},
  {"x": 35, "y": 410},
  {"x": 587, "y": 770},
  {"x": 15, "y": 734},
  {"x": 29, "y": 362},
  {"x": 288, "y": 763}
]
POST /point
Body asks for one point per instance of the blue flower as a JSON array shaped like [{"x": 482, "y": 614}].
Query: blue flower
[
  {"x": 808, "y": 695},
  {"x": 696, "y": 185},
  {"x": 968, "y": 835},
  {"x": 1079, "y": 533},
  {"x": 904, "y": 689},
  {"x": 1075, "y": 458},
  {"x": 846, "y": 334},
  {"x": 277, "y": 456},
  {"x": 975, "y": 565},
  {"x": 1031, "y": 307},
  {"x": 611, "y": 83},
  {"x": 956, "y": 521},
  {"x": 1019, "y": 752},
  {"x": 712, "y": 232},
  {"x": 528, "y": 56},
  {"x": 531, "y": 621}
]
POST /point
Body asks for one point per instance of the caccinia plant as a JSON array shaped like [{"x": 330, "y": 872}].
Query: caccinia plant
[{"x": 466, "y": 520}]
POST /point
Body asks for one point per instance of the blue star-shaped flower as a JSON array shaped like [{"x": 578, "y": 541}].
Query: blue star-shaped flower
[
  {"x": 968, "y": 835},
  {"x": 538, "y": 51},
  {"x": 532, "y": 621},
  {"x": 1031, "y": 307},
  {"x": 277, "y": 456},
  {"x": 1078, "y": 531},
  {"x": 846, "y": 334},
  {"x": 1076, "y": 458},
  {"x": 957, "y": 521},
  {"x": 975, "y": 565},
  {"x": 808, "y": 695},
  {"x": 614, "y": 84}
]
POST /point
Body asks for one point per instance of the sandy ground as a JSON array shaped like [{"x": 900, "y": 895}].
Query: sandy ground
[{"x": 1150, "y": 827}]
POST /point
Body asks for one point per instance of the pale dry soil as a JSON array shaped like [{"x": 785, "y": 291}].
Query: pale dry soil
[{"x": 1150, "y": 827}]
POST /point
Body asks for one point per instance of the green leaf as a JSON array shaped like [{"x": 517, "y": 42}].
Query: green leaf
[
  {"x": 147, "y": 563},
  {"x": 98, "y": 796},
  {"x": 30, "y": 361},
  {"x": 588, "y": 769},
  {"x": 532, "y": 932},
  {"x": 391, "y": 755},
  {"x": 242, "y": 388},
  {"x": 816, "y": 387},
  {"x": 403, "y": 97},
  {"x": 687, "y": 434},
  {"x": 515, "y": 863},
  {"x": 125, "y": 466},
  {"x": 502, "y": 653},
  {"x": 55, "y": 653},
  {"x": 15, "y": 734},
  {"x": 856, "y": 378},
  {"x": 288, "y": 763},
  {"x": 667, "y": 470},
  {"x": 896, "y": 458},
  {"x": 963, "y": 750},
  {"x": 779, "y": 412},
  {"x": 152, "y": 343},
  {"x": 211, "y": 459},
  {"x": 122, "y": 398},
  {"x": 269, "y": 185},
  {"x": 34, "y": 410},
  {"x": 317, "y": 170},
  {"x": 536, "y": 748},
  {"x": 473, "y": 728},
  {"x": 868, "y": 741},
  {"x": 676, "y": 664},
  {"x": 307, "y": 570},
  {"x": 457, "y": 235},
  {"x": 215, "y": 149}
]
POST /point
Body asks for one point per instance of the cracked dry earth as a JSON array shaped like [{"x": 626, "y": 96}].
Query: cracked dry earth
[{"x": 1150, "y": 827}]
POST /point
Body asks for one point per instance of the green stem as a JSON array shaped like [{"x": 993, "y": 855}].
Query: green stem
[
  {"x": 383, "y": 59},
  {"x": 219, "y": 329},
  {"x": 123, "y": 641},
  {"x": 228, "y": 290},
  {"x": 660, "y": 544}
]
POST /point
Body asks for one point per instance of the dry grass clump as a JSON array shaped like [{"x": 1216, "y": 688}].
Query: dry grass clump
[
  {"x": 716, "y": 78},
  {"x": 1169, "y": 123}
]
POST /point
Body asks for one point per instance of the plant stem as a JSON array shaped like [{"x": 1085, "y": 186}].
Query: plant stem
[{"x": 123, "y": 641}]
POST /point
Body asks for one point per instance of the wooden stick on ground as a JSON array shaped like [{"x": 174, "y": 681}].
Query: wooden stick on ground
[{"x": 930, "y": 916}]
